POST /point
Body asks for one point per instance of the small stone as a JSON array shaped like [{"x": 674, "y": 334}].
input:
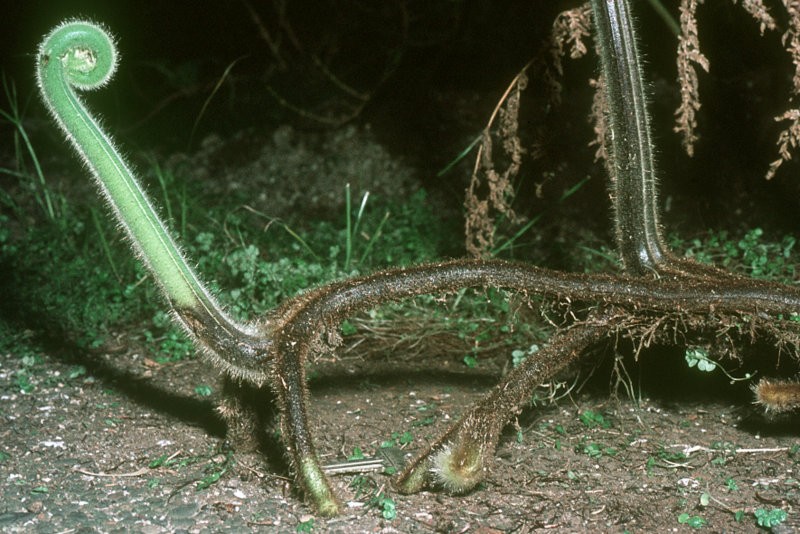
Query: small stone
[
  {"x": 184, "y": 511},
  {"x": 35, "y": 507}
]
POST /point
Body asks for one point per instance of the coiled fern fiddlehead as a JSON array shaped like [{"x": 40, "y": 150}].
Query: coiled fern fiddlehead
[{"x": 82, "y": 56}]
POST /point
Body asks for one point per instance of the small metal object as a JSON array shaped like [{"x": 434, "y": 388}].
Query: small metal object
[
  {"x": 389, "y": 457},
  {"x": 353, "y": 467}
]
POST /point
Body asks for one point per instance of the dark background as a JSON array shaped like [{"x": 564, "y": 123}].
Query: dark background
[{"x": 451, "y": 61}]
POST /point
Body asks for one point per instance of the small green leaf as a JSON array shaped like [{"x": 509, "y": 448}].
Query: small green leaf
[
  {"x": 698, "y": 356},
  {"x": 593, "y": 450},
  {"x": 305, "y": 526},
  {"x": 348, "y": 329},
  {"x": 424, "y": 422},
  {"x": 358, "y": 454},
  {"x": 694, "y": 521},
  {"x": 75, "y": 372},
  {"x": 204, "y": 390},
  {"x": 406, "y": 438},
  {"x": 389, "y": 508},
  {"x": 158, "y": 462},
  {"x": 209, "y": 480},
  {"x": 706, "y": 365},
  {"x": 769, "y": 518},
  {"x": 592, "y": 419}
]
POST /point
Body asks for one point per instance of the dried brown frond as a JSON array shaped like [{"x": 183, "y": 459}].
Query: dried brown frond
[
  {"x": 788, "y": 139},
  {"x": 490, "y": 191},
  {"x": 570, "y": 28},
  {"x": 598, "y": 119},
  {"x": 791, "y": 39},
  {"x": 689, "y": 55},
  {"x": 760, "y": 13}
]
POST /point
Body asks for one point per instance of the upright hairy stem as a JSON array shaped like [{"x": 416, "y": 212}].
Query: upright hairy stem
[
  {"x": 629, "y": 147},
  {"x": 81, "y": 55}
]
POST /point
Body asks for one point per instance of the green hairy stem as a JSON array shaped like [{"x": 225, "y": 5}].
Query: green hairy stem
[
  {"x": 82, "y": 56},
  {"x": 628, "y": 143}
]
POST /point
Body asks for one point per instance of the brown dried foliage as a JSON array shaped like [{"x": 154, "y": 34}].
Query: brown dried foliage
[
  {"x": 788, "y": 139},
  {"x": 491, "y": 190},
  {"x": 598, "y": 119},
  {"x": 790, "y": 136},
  {"x": 689, "y": 55},
  {"x": 569, "y": 30},
  {"x": 791, "y": 39},
  {"x": 760, "y": 13},
  {"x": 497, "y": 186}
]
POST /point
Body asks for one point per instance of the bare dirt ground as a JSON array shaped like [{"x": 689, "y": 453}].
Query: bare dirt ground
[{"x": 114, "y": 442}]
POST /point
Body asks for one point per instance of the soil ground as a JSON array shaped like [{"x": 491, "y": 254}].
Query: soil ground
[{"x": 124, "y": 446}]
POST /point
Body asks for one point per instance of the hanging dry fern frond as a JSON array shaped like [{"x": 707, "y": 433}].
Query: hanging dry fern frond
[
  {"x": 490, "y": 191},
  {"x": 597, "y": 118},
  {"x": 689, "y": 55},
  {"x": 570, "y": 28},
  {"x": 791, "y": 39},
  {"x": 788, "y": 139},
  {"x": 760, "y": 13}
]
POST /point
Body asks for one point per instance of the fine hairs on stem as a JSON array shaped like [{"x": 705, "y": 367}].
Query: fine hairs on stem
[
  {"x": 629, "y": 151},
  {"x": 82, "y": 56}
]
